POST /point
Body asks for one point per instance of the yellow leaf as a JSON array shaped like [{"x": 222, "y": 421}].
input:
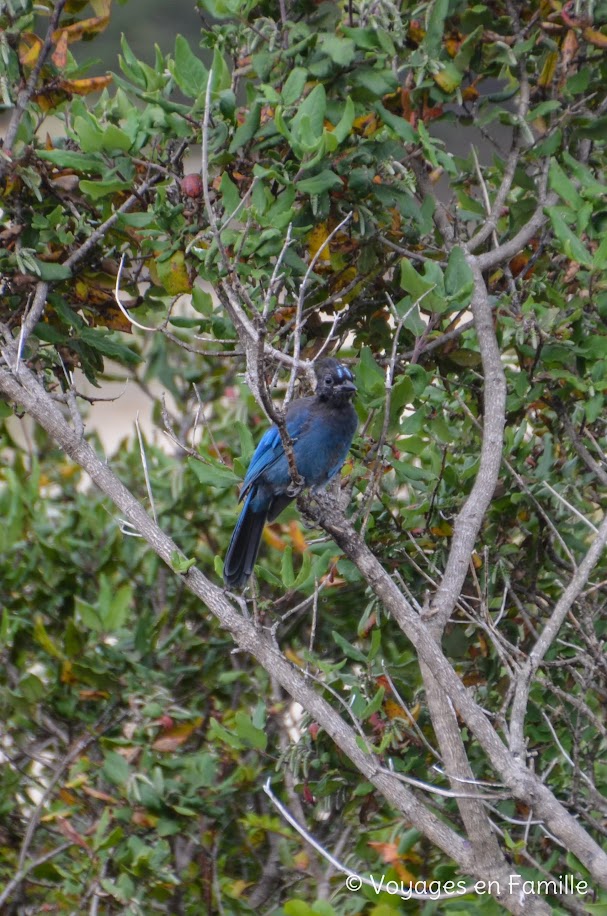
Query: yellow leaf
[
  {"x": 549, "y": 69},
  {"x": 394, "y": 710},
  {"x": 29, "y": 49},
  {"x": 444, "y": 530},
  {"x": 237, "y": 888},
  {"x": 273, "y": 538},
  {"x": 344, "y": 279},
  {"x": 101, "y": 7},
  {"x": 294, "y": 657},
  {"x": 86, "y": 86},
  {"x": 598, "y": 39},
  {"x": 366, "y": 124},
  {"x": 83, "y": 29},
  {"x": 297, "y": 538},
  {"x": 173, "y": 274},
  {"x": 316, "y": 239},
  {"x": 43, "y": 639}
]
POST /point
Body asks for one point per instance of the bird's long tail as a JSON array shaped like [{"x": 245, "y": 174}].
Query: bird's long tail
[{"x": 244, "y": 546}]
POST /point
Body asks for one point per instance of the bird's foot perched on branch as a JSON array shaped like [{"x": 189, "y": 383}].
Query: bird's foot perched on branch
[{"x": 296, "y": 487}]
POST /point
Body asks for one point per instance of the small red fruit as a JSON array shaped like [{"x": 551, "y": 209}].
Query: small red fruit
[{"x": 191, "y": 185}]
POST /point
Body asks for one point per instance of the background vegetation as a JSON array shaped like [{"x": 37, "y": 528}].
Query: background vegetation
[{"x": 419, "y": 187}]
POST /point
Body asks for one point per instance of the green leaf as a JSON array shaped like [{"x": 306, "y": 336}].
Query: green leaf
[
  {"x": 563, "y": 185},
  {"x": 181, "y": 564},
  {"x": 213, "y": 473},
  {"x": 50, "y": 271},
  {"x": 592, "y": 188},
  {"x": 344, "y": 125},
  {"x": 348, "y": 649},
  {"x": 247, "y": 130},
  {"x": 94, "y": 138},
  {"x": 599, "y": 261},
  {"x": 98, "y": 189},
  {"x": 202, "y": 301},
  {"x": 571, "y": 245},
  {"x": 376, "y": 83},
  {"x": 305, "y": 571},
  {"x": 411, "y": 472},
  {"x": 459, "y": 279},
  {"x": 230, "y": 195},
  {"x": 129, "y": 64},
  {"x": 225, "y": 9},
  {"x": 369, "y": 376},
  {"x": 402, "y": 395},
  {"x": 109, "y": 344},
  {"x": 116, "y": 612},
  {"x": 364, "y": 38},
  {"x": 324, "y": 181},
  {"x": 294, "y": 85},
  {"x": 216, "y": 730},
  {"x": 32, "y": 688},
  {"x": 287, "y": 573},
  {"x": 413, "y": 321},
  {"x": 68, "y": 159},
  {"x": 313, "y": 109},
  {"x": 401, "y": 128},
  {"x": 340, "y": 50},
  {"x": 296, "y": 908},
  {"x": 435, "y": 27},
  {"x": 421, "y": 289},
  {"x": 248, "y": 733},
  {"x": 115, "y": 769},
  {"x": 189, "y": 72},
  {"x": 89, "y": 615},
  {"x": 373, "y": 705},
  {"x": 222, "y": 78}
]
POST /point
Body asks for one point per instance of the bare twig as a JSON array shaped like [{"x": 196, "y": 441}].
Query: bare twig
[
  {"x": 339, "y": 866},
  {"x": 548, "y": 635}
]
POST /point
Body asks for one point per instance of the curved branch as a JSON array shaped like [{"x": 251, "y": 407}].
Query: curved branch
[{"x": 470, "y": 517}]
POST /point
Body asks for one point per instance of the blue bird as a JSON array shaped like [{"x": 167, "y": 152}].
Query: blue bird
[{"x": 321, "y": 428}]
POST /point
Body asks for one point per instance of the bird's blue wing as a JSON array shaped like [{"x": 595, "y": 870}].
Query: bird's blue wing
[
  {"x": 270, "y": 447},
  {"x": 268, "y": 450}
]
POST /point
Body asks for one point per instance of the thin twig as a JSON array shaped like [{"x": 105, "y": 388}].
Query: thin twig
[
  {"x": 144, "y": 464},
  {"x": 339, "y": 866}
]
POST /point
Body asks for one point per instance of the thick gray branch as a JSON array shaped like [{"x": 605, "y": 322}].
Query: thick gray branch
[{"x": 470, "y": 518}]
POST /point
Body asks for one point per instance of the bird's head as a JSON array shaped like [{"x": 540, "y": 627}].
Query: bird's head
[{"x": 334, "y": 381}]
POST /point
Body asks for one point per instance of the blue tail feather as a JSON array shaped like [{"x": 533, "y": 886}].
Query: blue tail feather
[{"x": 244, "y": 546}]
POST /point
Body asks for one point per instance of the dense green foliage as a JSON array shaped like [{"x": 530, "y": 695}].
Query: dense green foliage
[{"x": 332, "y": 213}]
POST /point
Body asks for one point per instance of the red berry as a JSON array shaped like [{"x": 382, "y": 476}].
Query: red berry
[{"x": 191, "y": 185}]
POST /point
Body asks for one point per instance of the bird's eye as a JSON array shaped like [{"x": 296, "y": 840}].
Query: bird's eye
[{"x": 328, "y": 379}]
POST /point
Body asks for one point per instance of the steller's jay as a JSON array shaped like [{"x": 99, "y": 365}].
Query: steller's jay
[{"x": 321, "y": 428}]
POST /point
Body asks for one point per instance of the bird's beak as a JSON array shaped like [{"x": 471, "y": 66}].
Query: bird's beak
[{"x": 347, "y": 386}]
